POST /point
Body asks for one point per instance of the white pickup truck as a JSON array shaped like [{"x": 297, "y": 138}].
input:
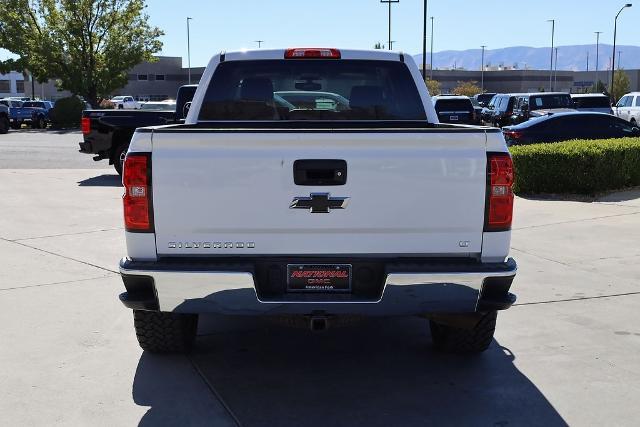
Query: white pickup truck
[{"x": 317, "y": 183}]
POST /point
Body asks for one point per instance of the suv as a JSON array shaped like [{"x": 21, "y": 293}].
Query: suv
[
  {"x": 628, "y": 108},
  {"x": 502, "y": 110},
  {"x": 484, "y": 98},
  {"x": 540, "y": 104},
  {"x": 593, "y": 102},
  {"x": 454, "y": 109},
  {"x": 4, "y": 118}
]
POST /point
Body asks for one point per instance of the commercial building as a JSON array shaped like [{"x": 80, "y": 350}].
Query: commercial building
[{"x": 159, "y": 80}]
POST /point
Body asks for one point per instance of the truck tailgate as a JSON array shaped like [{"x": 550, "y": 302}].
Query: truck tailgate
[{"x": 229, "y": 192}]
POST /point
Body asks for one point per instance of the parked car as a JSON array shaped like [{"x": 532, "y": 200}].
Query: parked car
[
  {"x": 558, "y": 127},
  {"x": 486, "y": 113},
  {"x": 593, "y": 102},
  {"x": 484, "y": 98},
  {"x": 39, "y": 112},
  {"x": 502, "y": 111},
  {"x": 159, "y": 105},
  {"x": 628, "y": 108},
  {"x": 125, "y": 102},
  {"x": 532, "y": 105},
  {"x": 107, "y": 133},
  {"x": 477, "y": 111},
  {"x": 454, "y": 109},
  {"x": 426, "y": 233},
  {"x": 4, "y": 119}
]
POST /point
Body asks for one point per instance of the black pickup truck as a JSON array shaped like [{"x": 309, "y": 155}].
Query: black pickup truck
[{"x": 107, "y": 133}]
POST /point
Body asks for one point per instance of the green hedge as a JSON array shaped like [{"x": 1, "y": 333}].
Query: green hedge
[
  {"x": 67, "y": 113},
  {"x": 577, "y": 167}
]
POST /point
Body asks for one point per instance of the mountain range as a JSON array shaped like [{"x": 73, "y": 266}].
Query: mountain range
[{"x": 570, "y": 58}]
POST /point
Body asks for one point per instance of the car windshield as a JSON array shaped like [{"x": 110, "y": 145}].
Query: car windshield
[
  {"x": 34, "y": 104},
  {"x": 543, "y": 102},
  {"x": 592, "y": 102},
  {"x": 117, "y": 98},
  {"x": 318, "y": 89}
]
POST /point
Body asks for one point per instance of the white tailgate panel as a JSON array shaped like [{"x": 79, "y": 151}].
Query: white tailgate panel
[{"x": 410, "y": 193}]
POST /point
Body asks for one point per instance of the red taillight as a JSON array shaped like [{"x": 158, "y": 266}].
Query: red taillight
[
  {"x": 513, "y": 134},
  {"x": 499, "y": 194},
  {"x": 317, "y": 53},
  {"x": 86, "y": 125},
  {"x": 136, "y": 179}
]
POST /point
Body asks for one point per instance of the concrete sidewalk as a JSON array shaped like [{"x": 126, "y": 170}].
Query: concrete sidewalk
[{"x": 567, "y": 353}]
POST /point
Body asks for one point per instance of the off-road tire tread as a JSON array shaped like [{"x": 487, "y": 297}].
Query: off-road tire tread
[
  {"x": 456, "y": 340},
  {"x": 160, "y": 332}
]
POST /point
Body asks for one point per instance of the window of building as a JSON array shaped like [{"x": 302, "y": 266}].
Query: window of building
[
  {"x": 159, "y": 76},
  {"x": 20, "y": 86},
  {"x": 5, "y": 86},
  {"x": 143, "y": 77}
]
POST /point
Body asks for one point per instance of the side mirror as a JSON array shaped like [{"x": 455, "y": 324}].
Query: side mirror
[{"x": 186, "y": 108}]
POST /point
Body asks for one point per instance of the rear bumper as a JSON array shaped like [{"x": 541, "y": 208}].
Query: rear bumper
[
  {"x": 238, "y": 288},
  {"x": 421, "y": 287},
  {"x": 85, "y": 147}
]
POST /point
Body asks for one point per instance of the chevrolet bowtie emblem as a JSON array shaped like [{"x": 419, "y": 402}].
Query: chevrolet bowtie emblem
[{"x": 319, "y": 203}]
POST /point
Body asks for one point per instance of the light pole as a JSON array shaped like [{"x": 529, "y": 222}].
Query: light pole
[
  {"x": 390, "y": 2},
  {"x": 482, "y": 70},
  {"x": 431, "y": 54},
  {"x": 189, "y": 49},
  {"x": 553, "y": 31},
  {"x": 555, "y": 74},
  {"x": 424, "y": 41},
  {"x": 597, "y": 57},
  {"x": 613, "y": 63},
  {"x": 259, "y": 43},
  {"x": 619, "y": 60}
]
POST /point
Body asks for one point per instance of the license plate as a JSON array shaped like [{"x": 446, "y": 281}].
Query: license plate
[
  {"x": 453, "y": 118},
  {"x": 319, "y": 277}
]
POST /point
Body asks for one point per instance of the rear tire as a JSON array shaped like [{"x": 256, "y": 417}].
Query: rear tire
[
  {"x": 16, "y": 126},
  {"x": 4, "y": 125},
  {"x": 118, "y": 158},
  {"x": 160, "y": 332},
  {"x": 455, "y": 340}
]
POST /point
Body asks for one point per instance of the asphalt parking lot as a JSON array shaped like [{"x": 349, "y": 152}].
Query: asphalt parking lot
[{"x": 567, "y": 353}]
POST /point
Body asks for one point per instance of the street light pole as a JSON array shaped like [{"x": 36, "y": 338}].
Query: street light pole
[
  {"x": 424, "y": 41},
  {"x": 613, "y": 63},
  {"x": 555, "y": 77},
  {"x": 390, "y": 2},
  {"x": 482, "y": 70},
  {"x": 189, "y": 48},
  {"x": 619, "y": 60},
  {"x": 431, "y": 54},
  {"x": 553, "y": 30},
  {"x": 597, "y": 57}
]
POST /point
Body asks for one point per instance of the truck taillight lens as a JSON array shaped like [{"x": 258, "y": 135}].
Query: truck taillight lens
[
  {"x": 136, "y": 180},
  {"x": 318, "y": 53},
  {"x": 86, "y": 125},
  {"x": 499, "y": 193}
]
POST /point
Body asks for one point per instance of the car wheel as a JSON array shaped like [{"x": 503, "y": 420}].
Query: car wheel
[
  {"x": 457, "y": 340},
  {"x": 118, "y": 158},
  {"x": 160, "y": 332},
  {"x": 4, "y": 125},
  {"x": 120, "y": 107},
  {"x": 15, "y": 125}
]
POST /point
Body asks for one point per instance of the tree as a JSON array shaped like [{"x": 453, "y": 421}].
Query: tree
[
  {"x": 378, "y": 45},
  {"x": 467, "y": 88},
  {"x": 621, "y": 84},
  {"x": 599, "y": 88},
  {"x": 87, "y": 45},
  {"x": 433, "y": 86}
]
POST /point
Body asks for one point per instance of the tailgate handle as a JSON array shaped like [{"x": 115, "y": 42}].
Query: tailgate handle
[{"x": 320, "y": 172}]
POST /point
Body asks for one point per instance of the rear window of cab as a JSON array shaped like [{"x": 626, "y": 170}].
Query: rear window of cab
[{"x": 318, "y": 90}]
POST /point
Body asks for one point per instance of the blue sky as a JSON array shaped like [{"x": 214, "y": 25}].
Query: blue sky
[{"x": 459, "y": 24}]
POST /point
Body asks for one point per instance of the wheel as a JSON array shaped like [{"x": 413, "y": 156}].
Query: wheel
[
  {"x": 118, "y": 158},
  {"x": 38, "y": 123},
  {"x": 160, "y": 332},
  {"x": 456, "y": 340},
  {"x": 4, "y": 125},
  {"x": 16, "y": 125},
  {"x": 120, "y": 107}
]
